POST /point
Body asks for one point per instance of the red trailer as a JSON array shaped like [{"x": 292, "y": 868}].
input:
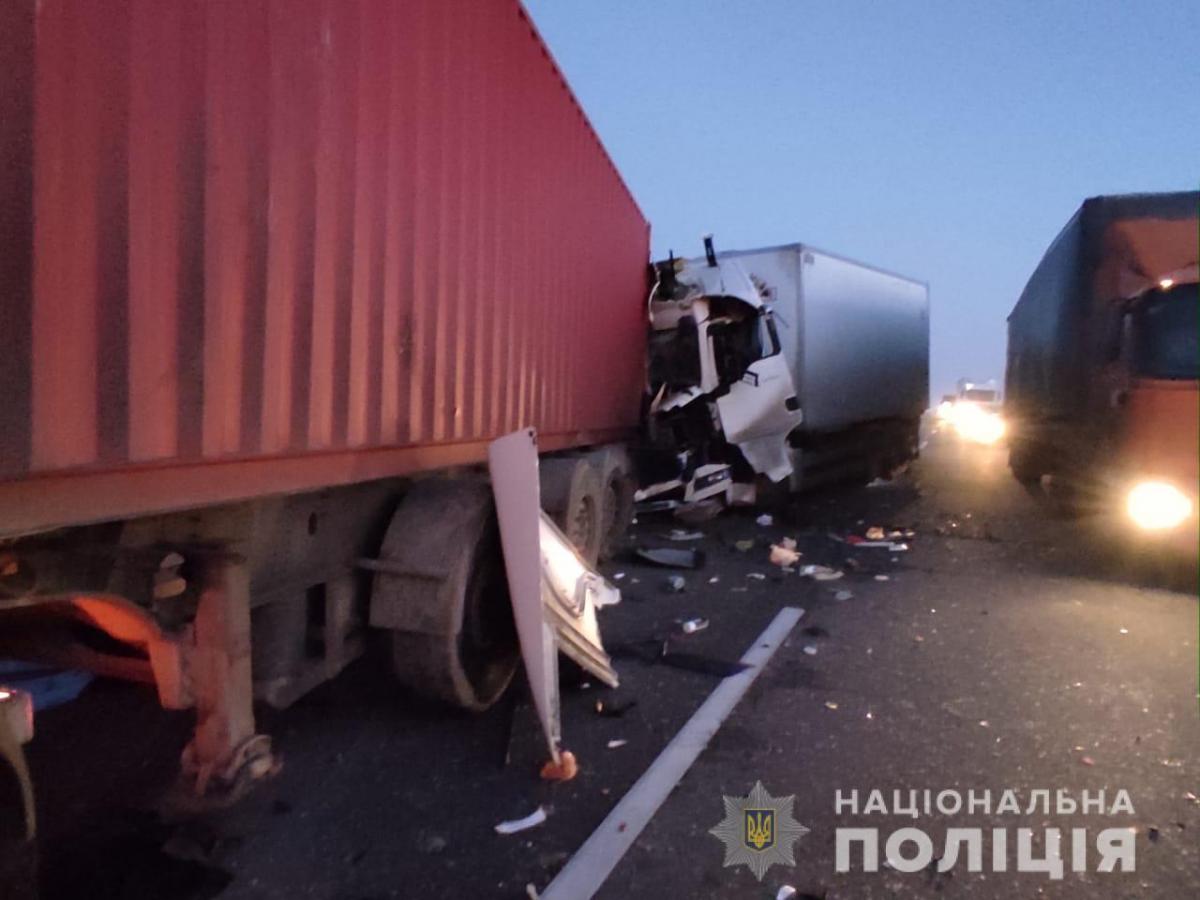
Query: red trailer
[{"x": 262, "y": 263}]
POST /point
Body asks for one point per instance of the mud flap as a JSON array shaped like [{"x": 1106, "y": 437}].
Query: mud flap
[{"x": 554, "y": 592}]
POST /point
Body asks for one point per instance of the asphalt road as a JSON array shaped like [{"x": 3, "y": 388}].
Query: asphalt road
[{"x": 1006, "y": 649}]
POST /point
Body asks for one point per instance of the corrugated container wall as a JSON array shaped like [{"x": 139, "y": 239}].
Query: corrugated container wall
[{"x": 255, "y": 246}]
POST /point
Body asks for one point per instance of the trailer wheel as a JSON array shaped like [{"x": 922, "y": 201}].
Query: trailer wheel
[
  {"x": 617, "y": 490},
  {"x": 572, "y": 495},
  {"x": 445, "y": 598},
  {"x": 1026, "y": 467}
]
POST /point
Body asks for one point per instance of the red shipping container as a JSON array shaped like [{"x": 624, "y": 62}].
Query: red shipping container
[{"x": 257, "y": 247}]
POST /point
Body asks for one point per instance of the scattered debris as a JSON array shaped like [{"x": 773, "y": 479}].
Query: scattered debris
[
  {"x": 744, "y": 546},
  {"x": 617, "y": 576},
  {"x": 882, "y": 578},
  {"x": 878, "y": 482},
  {"x": 757, "y": 576},
  {"x": 843, "y": 595},
  {"x": 784, "y": 553},
  {"x": 862, "y": 543},
  {"x": 679, "y": 534},
  {"x": 700, "y": 511},
  {"x": 512, "y": 826},
  {"x": 617, "y": 742},
  {"x": 1173, "y": 763},
  {"x": 614, "y": 710},
  {"x": 820, "y": 573},
  {"x": 672, "y": 557},
  {"x": 674, "y": 584},
  {"x": 564, "y": 770},
  {"x": 787, "y": 892},
  {"x": 691, "y": 626},
  {"x": 829, "y": 704},
  {"x": 714, "y": 579},
  {"x": 1087, "y": 760},
  {"x": 810, "y": 649},
  {"x": 766, "y": 520}
]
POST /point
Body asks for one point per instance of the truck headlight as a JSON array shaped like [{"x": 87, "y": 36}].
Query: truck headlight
[
  {"x": 1156, "y": 505},
  {"x": 978, "y": 425}
]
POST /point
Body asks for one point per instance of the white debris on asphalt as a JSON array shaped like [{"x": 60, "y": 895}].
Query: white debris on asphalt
[
  {"x": 765, "y": 520},
  {"x": 617, "y": 742},
  {"x": 810, "y": 649},
  {"x": 843, "y": 595},
  {"x": 757, "y": 576},
  {"x": 512, "y": 826}
]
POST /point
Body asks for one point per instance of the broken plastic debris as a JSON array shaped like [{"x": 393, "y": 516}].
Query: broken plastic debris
[
  {"x": 782, "y": 555},
  {"x": 674, "y": 584},
  {"x": 617, "y": 576},
  {"x": 691, "y": 626},
  {"x": 563, "y": 770},
  {"x": 512, "y": 826},
  {"x": 757, "y": 576},
  {"x": 842, "y": 595},
  {"x": 614, "y": 710},
  {"x": 679, "y": 534},
  {"x": 820, "y": 573},
  {"x": 810, "y": 650},
  {"x": 829, "y": 704},
  {"x": 617, "y": 742},
  {"x": 765, "y": 520},
  {"x": 714, "y": 579},
  {"x": 744, "y": 546},
  {"x": 672, "y": 557}
]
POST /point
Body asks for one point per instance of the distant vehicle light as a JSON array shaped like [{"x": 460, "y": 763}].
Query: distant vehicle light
[
  {"x": 1166, "y": 283},
  {"x": 1157, "y": 506},
  {"x": 977, "y": 424}
]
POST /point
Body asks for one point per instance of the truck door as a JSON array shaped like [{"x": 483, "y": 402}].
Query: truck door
[{"x": 760, "y": 408}]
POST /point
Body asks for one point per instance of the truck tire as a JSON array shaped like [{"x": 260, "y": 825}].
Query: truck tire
[
  {"x": 1026, "y": 467},
  {"x": 571, "y": 494},
  {"x": 617, "y": 489},
  {"x": 445, "y": 595}
]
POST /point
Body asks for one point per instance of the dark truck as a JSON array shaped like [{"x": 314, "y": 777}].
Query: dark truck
[{"x": 1103, "y": 380}]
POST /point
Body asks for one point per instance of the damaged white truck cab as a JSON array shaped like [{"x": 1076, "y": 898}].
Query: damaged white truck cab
[
  {"x": 716, "y": 359},
  {"x": 788, "y": 362}
]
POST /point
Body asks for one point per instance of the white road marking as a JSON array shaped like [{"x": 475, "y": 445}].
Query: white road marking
[{"x": 591, "y": 865}]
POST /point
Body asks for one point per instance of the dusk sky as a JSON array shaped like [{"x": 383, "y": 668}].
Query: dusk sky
[{"x": 948, "y": 141}]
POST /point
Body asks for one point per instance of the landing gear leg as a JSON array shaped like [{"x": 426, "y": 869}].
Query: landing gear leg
[{"x": 225, "y": 756}]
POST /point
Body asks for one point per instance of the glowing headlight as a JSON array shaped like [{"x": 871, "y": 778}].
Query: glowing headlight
[
  {"x": 1155, "y": 505},
  {"x": 981, "y": 426}
]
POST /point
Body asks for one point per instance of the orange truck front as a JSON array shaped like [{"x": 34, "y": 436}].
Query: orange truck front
[{"x": 1103, "y": 376}]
